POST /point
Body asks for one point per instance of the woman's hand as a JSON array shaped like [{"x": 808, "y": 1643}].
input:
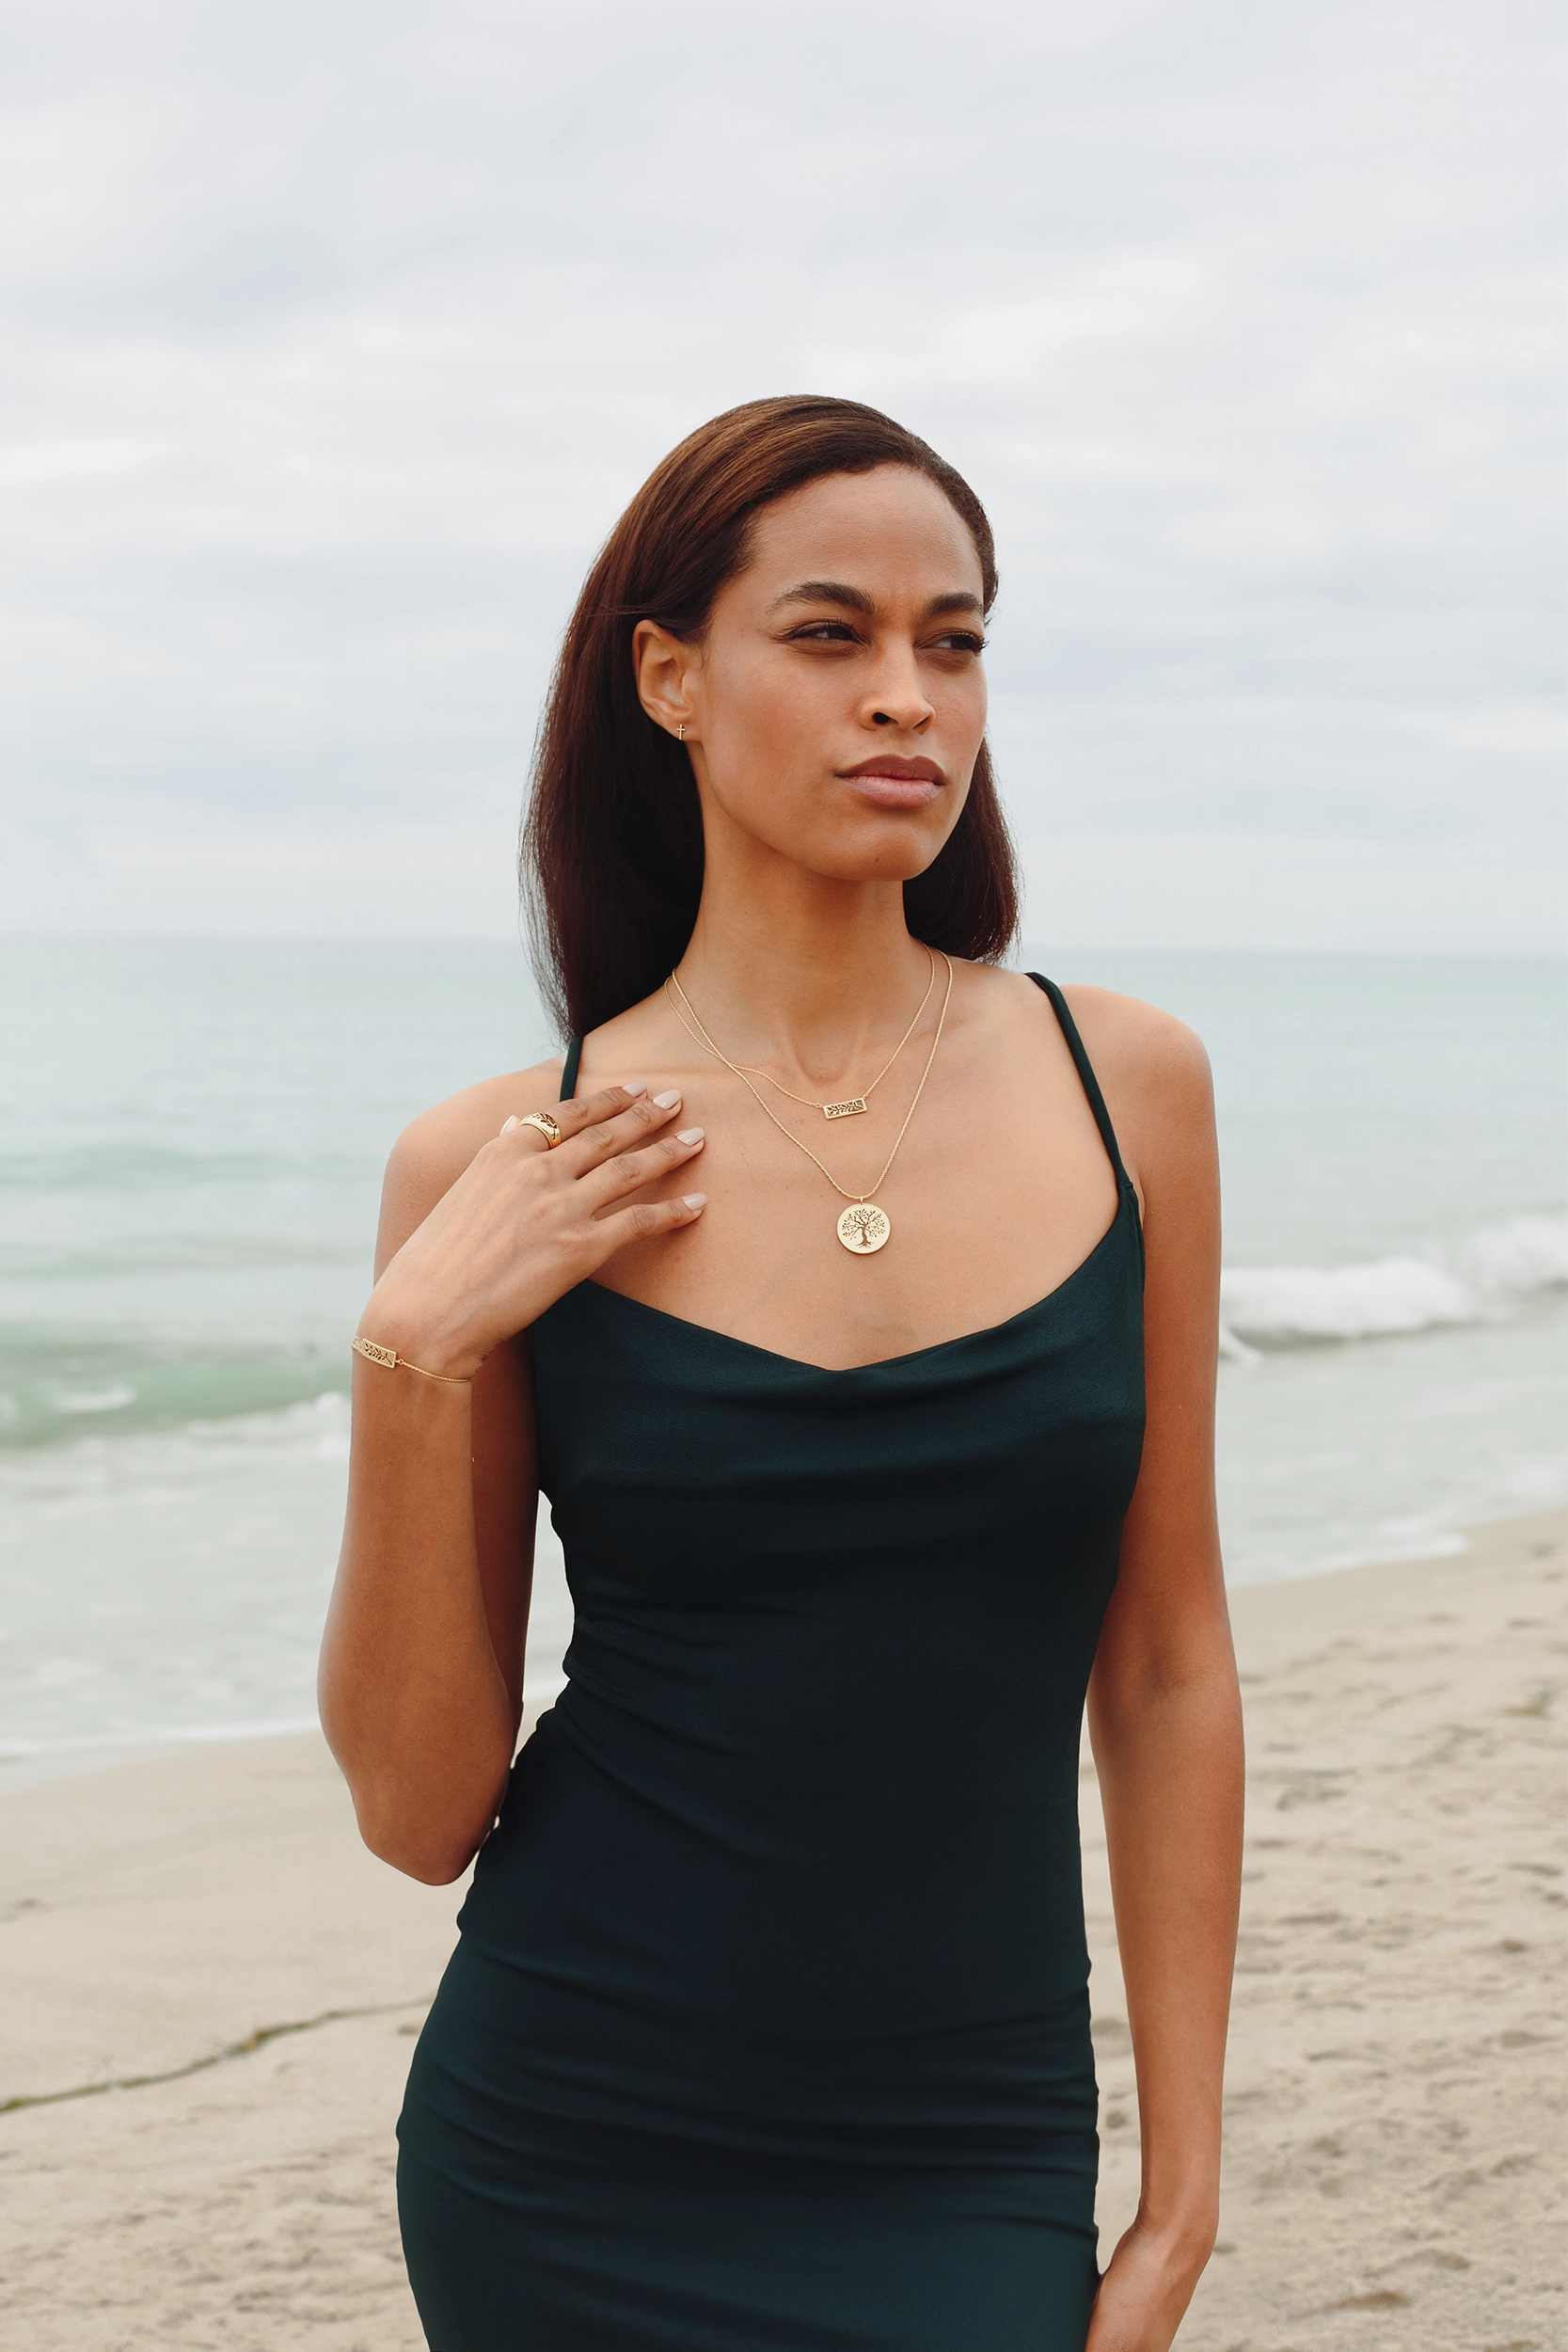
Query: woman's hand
[
  {"x": 1147, "y": 2287},
  {"x": 525, "y": 1223}
]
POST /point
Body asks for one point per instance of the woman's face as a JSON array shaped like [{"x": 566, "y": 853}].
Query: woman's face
[{"x": 835, "y": 707}]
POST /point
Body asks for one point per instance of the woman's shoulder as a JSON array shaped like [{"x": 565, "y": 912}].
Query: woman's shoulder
[
  {"x": 1154, "y": 1074},
  {"x": 1151, "y": 1067},
  {"x": 433, "y": 1150},
  {"x": 1138, "y": 1043},
  {"x": 1127, "y": 1042},
  {"x": 436, "y": 1147}
]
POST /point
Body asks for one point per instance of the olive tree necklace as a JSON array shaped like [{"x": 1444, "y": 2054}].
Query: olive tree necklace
[{"x": 862, "y": 1227}]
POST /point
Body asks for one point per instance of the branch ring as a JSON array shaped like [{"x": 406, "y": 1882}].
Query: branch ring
[{"x": 545, "y": 1125}]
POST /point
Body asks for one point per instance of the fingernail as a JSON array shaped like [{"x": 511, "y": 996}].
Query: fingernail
[
  {"x": 667, "y": 1102},
  {"x": 695, "y": 1199},
  {"x": 510, "y": 1125},
  {"x": 688, "y": 1135},
  {"x": 635, "y": 1091}
]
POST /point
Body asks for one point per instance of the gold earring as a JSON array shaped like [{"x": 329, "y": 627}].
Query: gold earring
[{"x": 680, "y": 733}]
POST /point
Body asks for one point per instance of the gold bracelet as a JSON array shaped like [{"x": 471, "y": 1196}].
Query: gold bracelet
[{"x": 389, "y": 1356}]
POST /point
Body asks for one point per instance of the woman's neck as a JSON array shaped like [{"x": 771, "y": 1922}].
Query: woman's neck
[{"x": 810, "y": 982}]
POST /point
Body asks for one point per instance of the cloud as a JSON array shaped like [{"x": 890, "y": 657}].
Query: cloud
[{"x": 339, "y": 337}]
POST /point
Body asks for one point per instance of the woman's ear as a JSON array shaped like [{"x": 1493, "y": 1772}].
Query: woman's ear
[{"x": 662, "y": 664}]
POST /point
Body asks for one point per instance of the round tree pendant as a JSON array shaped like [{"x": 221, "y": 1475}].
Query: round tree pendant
[{"x": 863, "y": 1227}]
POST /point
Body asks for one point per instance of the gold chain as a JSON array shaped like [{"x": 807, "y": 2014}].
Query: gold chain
[
  {"x": 863, "y": 1098},
  {"x": 704, "y": 1037}
]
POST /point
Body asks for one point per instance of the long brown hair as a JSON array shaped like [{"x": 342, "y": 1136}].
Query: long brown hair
[{"x": 611, "y": 854}]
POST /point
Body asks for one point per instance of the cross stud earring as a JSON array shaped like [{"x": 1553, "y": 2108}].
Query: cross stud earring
[{"x": 680, "y": 734}]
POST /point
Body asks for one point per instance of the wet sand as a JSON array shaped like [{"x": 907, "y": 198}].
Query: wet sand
[{"x": 211, "y": 1992}]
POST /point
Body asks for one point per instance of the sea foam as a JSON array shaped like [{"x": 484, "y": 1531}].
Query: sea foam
[{"x": 1285, "y": 1306}]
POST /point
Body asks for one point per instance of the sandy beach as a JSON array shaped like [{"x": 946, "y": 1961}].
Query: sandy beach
[{"x": 210, "y": 1991}]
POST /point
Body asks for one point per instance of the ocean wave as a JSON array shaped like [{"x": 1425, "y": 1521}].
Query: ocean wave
[
  {"x": 56, "y": 1388},
  {"x": 1285, "y": 1306},
  {"x": 51, "y": 1385},
  {"x": 112, "y": 1399}
]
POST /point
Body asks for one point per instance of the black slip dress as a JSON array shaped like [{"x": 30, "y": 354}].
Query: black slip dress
[{"x": 767, "y": 2029}]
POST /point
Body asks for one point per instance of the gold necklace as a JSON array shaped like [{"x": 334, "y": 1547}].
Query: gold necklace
[
  {"x": 862, "y": 1227},
  {"x": 848, "y": 1105}
]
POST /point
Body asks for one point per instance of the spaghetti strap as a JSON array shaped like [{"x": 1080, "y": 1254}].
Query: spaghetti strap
[
  {"x": 1086, "y": 1071},
  {"x": 569, "y": 1074}
]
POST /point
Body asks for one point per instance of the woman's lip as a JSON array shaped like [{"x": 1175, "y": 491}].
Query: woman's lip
[
  {"x": 895, "y": 783},
  {"x": 894, "y": 792},
  {"x": 895, "y": 763}
]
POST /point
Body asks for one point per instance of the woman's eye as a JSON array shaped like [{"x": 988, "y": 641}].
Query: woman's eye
[{"x": 843, "y": 633}]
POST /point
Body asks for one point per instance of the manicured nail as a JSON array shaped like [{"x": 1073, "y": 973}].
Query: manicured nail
[
  {"x": 667, "y": 1102},
  {"x": 510, "y": 1125},
  {"x": 695, "y": 1199},
  {"x": 635, "y": 1091},
  {"x": 688, "y": 1135}
]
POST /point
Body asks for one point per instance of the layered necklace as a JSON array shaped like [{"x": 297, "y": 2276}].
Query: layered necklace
[{"x": 862, "y": 1227}]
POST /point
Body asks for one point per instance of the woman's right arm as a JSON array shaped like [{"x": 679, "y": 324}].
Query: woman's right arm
[{"x": 422, "y": 1666}]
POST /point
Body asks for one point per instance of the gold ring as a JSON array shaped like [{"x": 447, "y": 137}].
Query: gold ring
[{"x": 545, "y": 1125}]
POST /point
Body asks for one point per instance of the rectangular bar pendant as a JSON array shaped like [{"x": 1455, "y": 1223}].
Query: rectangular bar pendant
[{"x": 850, "y": 1107}]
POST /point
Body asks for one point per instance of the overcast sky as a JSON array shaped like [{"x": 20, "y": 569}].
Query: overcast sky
[{"x": 337, "y": 335}]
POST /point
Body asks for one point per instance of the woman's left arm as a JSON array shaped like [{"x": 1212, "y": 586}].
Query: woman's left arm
[{"x": 1164, "y": 1707}]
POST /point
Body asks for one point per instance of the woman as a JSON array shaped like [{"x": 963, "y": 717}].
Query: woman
[{"x": 811, "y": 1293}]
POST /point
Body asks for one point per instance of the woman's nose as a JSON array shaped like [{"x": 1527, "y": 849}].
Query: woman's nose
[{"x": 898, "y": 700}]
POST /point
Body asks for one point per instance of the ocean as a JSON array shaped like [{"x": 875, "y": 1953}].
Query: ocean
[{"x": 191, "y": 1142}]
